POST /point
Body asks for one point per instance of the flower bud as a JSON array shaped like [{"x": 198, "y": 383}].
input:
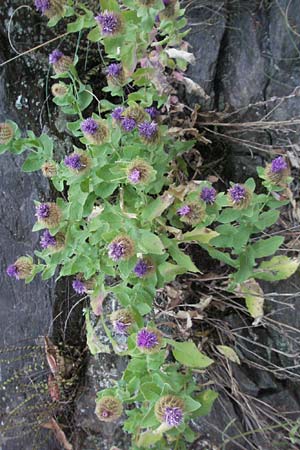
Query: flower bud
[
  {"x": 60, "y": 62},
  {"x": 108, "y": 408},
  {"x": 21, "y": 269},
  {"x": 6, "y": 133},
  {"x": 239, "y": 196},
  {"x": 50, "y": 8},
  {"x": 277, "y": 171},
  {"x": 48, "y": 214},
  {"x": 122, "y": 319},
  {"x": 59, "y": 89},
  {"x": 149, "y": 340},
  {"x": 121, "y": 248},
  {"x": 49, "y": 169},
  {"x": 191, "y": 213},
  {"x": 95, "y": 131},
  {"x": 110, "y": 23},
  {"x": 78, "y": 162},
  {"x": 169, "y": 410},
  {"x": 139, "y": 172},
  {"x": 144, "y": 267}
]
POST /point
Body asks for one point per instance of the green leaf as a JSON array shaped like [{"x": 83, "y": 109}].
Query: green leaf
[
  {"x": 150, "y": 243},
  {"x": 93, "y": 342},
  {"x": 169, "y": 271},
  {"x": 267, "y": 247},
  {"x": 229, "y": 353},
  {"x": 147, "y": 439},
  {"x": 110, "y": 5},
  {"x": 157, "y": 207},
  {"x": 245, "y": 263},
  {"x": 254, "y": 296},
  {"x": 229, "y": 215},
  {"x": 201, "y": 235},
  {"x": 94, "y": 35},
  {"x": 33, "y": 162},
  {"x": 266, "y": 219},
  {"x": 277, "y": 268},
  {"x": 187, "y": 354},
  {"x": 182, "y": 259},
  {"x": 206, "y": 399},
  {"x": 76, "y": 26}
]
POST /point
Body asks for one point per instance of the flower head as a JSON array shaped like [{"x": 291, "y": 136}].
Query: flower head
[
  {"x": 49, "y": 214},
  {"x": 117, "y": 113},
  {"x": 108, "y": 408},
  {"x": 79, "y": 286},
  {"x": 128, "y": 124},
  {"x": 135, "y": 112},
  {"x": 153, "y": 112},
  {"x": 109, "y": 22},
  {"x": 134, "y": 176},
  {"x": 21, "y": 269},
  {"x": 143, "y": 267},
  {"x": 49, "y": 169},
  {"x": 278, "y": 165},
  {"x": 114, "y": 70},
  {"x": 139, "y": 172},
  {"x": 148, "y": 131},
  {"x": 6, "y": 133},
  {"x": 191, "y": 213},
  {"x": 169, "y": 409},
  {"x": 77, "y": 162},
  {"x": 42, "y": 5},
  {"x": 121, "y": 248},
  {"x": 47, "y": 240},
  {"x": 208, "y": 195},
  {"x": 89, "y": 126},
  {"x": 121, "y": 319},
  {"x": 239, "y": 196},
  {"x": 148, "y": 340},
  {"x": 59, "y": 89},
  {"x": 55, "y": 56}
]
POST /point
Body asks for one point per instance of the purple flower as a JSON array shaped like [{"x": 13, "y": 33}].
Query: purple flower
[
  {"x": 166, "y": 2},
  {"x": 278, "y": 165},
  {"x": 47, "y": 240},
  {"x": 117, "y": 113},
  {"x": 55, "y": 56},
  {"x": 153, "y": 112},
  {"x": 173, "y": 416},
  {"x": 148, "y": 129},
  {"x": 109, "y": 22},
  {"x": 135, "y": 176},
  {"x": 141, "y": 268},
  {"x": 237, "y": 193},
  {"x": 78, "y": 286},
  {"x": 128, "y": 124},
  {"x": 42, "y": 5},
  {"x": 116, "y": 250},
  {"x": 121, "y": 327},
  {"x": 42, "y": 211},
  {"x": 114, "y": 70},
  {"x": 146, "y": 339},
  {"x": 73, "y": 161},
  {"x": 89, "y": 126},
  {"x": 208, "y": 195},
  {"x": 184, "y": 210},
  {"x": 12, "y": 271}
]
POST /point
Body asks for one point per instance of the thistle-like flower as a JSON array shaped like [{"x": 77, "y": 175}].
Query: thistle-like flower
[
  {"x": 121, "y": 248},
  {"x": 50, "y": 8},
  {"x": 109, "y": 408},
  {"x": 48, "y": 214},
  {"x": 139, "y": 172},
  {"x": 78, "y": 162},
  {"x": 239, "y": 196},
  {"x": 109, "y": 22},
  {"x": 169, "y": 410},
  {"x": 117, "y": 113},
  {"x": 149, "y": 132},
  {"x": 21, "y": 269},
  {"x": 191, "y": 213},
  {"x": 6, "y": 133},
  {"x": 49, "y": 169},
  {"x": 122, "y": 319},
  {"x": 54, "y": 243},
  {"x": 208, "y": 195},
  {"x": 135, "y": 112},
  {"x": 153, "y": 112},
  {"x": 277, "y": 171},
  {"x": 170, "y": 9},
  {"x": 149, "y": 340},
  {"x": 128, "y": 124},
  {"x": 60, "y": 62},
  {"x": 82, "y": 286},
  {"x": 95, "y": 131},
  {"x": 115, "y": 74},
  {"x": 59, "y": 89},
  {"x": 143, "y": 267}
]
